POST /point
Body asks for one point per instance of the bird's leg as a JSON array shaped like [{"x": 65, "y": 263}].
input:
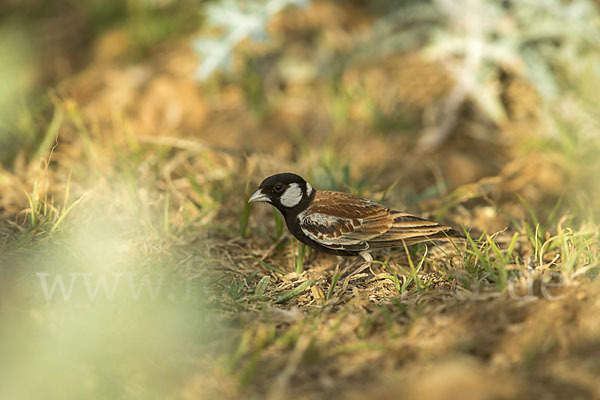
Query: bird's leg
[
  {"x": 356, "y": 263},
  {"x": 348, "y": 266},
  {"x": 367, "y": 256},
  {"x": 366, "y": 264},
  {"x": 368, "y": 259}
]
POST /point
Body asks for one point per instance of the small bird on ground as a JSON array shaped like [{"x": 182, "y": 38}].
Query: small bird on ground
[{"x": 342, "y": 223}]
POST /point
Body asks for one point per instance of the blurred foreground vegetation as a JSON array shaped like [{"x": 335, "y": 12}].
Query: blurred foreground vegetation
[{"x": 132, "y": 133}]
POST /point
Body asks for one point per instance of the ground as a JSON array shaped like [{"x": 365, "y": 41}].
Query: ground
[{"x": 132, "y": 265}]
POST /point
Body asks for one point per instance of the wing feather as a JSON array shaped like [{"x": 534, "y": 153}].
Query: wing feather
[{"x": 344, "y": 221}]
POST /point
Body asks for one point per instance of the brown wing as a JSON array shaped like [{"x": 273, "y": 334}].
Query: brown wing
[{"x": 342, "y": 220}]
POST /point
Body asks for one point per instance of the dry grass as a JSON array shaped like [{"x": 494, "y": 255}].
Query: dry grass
[{"x": 140, "y": 171}]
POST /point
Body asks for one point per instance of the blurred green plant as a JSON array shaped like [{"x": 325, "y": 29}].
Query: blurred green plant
[
  {"x": 95, "y": 313},
  {"x": 238, "y": 20},
  {"x": 479, "y": 43},
  {"x": 17, "y": 74}
]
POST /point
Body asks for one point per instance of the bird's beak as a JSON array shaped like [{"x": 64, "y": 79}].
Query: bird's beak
[{"x": 258, "y": 196}]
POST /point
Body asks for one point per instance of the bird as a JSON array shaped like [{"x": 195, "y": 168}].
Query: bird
[{"x": 342, "y": 223}]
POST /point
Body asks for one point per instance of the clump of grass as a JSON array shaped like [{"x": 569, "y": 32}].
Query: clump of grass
[
  {"x": 413, "y": 274},
  {"x": 42, "y": 214},
  {"x": 479, "y": 257}
]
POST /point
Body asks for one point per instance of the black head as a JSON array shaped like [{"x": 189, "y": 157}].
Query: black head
[{"x": 286, "y": 191}]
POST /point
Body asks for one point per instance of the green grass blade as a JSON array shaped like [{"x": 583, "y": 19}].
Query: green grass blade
[
  {"x": 244, "y": 218},
  {"x": 388, "y": 189},
  {"x": 511, "y": 246},
  {"x": 269, "y": 266},
  {"x": 294, "y": 292},
  {"x": 499, "y": 256},
  {"x": 334, "y": 281},
  {"x": 262, "y": 286},
  {"x": 166, "y": 225},
  {"x": 64, "y": 214},
  {"x": 299, "y": 259},
  {"x": 278, "y": 220},
  {"x": 51, "y": 135}
]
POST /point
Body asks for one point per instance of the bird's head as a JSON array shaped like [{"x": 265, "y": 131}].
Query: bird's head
[{"x": 285, "y": 191}]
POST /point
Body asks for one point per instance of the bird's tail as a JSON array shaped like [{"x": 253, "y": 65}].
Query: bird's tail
[{"x": 410, "y": 230}]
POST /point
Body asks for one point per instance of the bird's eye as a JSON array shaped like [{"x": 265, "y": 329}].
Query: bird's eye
[{"x": 278, "y": 188}]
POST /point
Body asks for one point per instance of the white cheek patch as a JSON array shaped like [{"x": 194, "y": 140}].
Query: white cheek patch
[
  {"x": 292, "y": 196},
  {"x": 309, "y": 189}
]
